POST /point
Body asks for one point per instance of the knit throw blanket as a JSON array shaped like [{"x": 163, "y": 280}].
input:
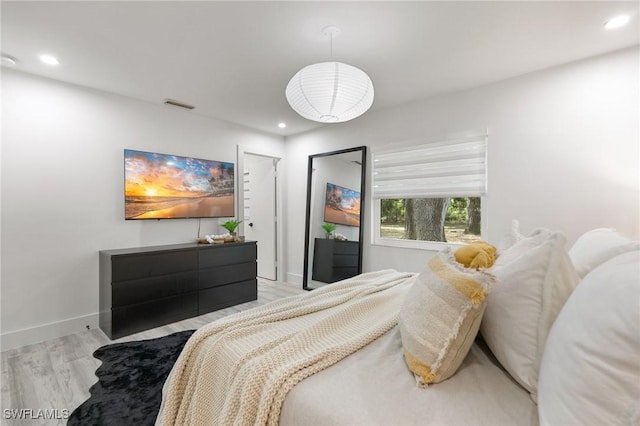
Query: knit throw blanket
[{"x": 238, "y": 370}]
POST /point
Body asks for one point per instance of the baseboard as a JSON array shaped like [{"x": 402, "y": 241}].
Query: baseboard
[
  {"x": 294, "y": 278},
  {"x": 29, "y": 336}
]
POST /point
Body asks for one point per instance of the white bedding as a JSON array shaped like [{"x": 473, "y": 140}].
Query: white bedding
[
  {"x": 374, "y": 387},
  {"x": 239, "y": 369}
]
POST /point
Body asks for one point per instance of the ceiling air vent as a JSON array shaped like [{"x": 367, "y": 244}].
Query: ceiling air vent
[{"x": 178, "y": 104}]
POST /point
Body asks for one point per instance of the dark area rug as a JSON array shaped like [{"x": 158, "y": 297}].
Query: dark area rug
[{"x": 130, "y": 380}]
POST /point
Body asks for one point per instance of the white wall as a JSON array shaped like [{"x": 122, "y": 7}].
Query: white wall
[
  {"x": 62, "y": 194},
  {"x": 563, "y": 152}
]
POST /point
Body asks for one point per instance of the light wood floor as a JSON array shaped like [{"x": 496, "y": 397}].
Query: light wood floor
[{"x": 57, "y": 374}]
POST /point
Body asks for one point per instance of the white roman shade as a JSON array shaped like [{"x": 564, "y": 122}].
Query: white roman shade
[{"x": 451, "y": 168}]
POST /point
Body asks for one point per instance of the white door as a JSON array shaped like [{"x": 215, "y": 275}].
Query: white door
[{"x": 260, "y": 210}]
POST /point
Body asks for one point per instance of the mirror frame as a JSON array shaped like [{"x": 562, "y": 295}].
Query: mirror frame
[{"x": 363, "y": 174}]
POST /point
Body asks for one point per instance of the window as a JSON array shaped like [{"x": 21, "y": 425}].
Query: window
[
  {"x": 420, "y": 219},
  {"x": 430, "y": 193}
]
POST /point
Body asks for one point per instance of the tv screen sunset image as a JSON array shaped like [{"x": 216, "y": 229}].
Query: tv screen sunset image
[
  {"x": 342, "y": 206},
  {"x": 162, "y": 186}
]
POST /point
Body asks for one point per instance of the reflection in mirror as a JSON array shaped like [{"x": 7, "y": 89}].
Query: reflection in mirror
[{"x": 335, "y": 204}]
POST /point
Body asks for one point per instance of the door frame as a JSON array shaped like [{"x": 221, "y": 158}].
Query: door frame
[{"x": 242, "y": 151}]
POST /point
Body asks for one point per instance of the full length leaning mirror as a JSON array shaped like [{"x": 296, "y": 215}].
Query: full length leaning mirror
[{"x": 335, "y": 199}]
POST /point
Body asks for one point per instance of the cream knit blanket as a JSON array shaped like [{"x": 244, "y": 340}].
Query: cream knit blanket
[{"x": 238, "y": 370}]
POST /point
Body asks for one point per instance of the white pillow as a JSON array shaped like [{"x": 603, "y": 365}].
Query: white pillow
[
  {"x": 521, "y": 246},
  {"x": 514, "y": 236},
  {"x": 535, "y": 278},
  {"x": 590, "y": 372},
  {"x": 597, "y": 246}
]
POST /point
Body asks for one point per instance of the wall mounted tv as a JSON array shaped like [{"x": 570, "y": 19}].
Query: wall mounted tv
[
  {"x": 162, "y": 186},
  {"x": 342, "y": 205}
]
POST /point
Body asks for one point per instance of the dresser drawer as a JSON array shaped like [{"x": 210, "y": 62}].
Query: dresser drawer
[
  {"x": 212, "y": 277},
  {"x": 144, "y": 265},
  {"x": 345, "y": 247},
  {"x": 345, "y": 260},
  {"x": 209, "y": 257},
  {"x": 339, "y": 274},
  {"x": 143, "y": 316},
  {"x": 215, "y": 298},
  {"x": 143, "y": 290}
]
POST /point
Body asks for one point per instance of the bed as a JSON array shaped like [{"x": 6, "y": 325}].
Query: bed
[
  {"x": 533, "y": 329},
  {"x": 480, "y": 393}
]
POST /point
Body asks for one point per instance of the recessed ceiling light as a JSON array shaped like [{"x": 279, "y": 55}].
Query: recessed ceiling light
[
  {"x": 49, "y": 60},
  {"x": 8, "y": 60},
  {"x": 282, "y": 125},
  {"x": 617, "y": 22}
]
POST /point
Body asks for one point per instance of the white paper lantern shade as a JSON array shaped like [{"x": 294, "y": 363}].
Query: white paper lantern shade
[{"x": 330, "y": 92}]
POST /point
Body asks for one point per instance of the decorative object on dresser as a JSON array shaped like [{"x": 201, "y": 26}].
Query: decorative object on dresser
[
  {"x": 231, "y": 225},
  {"x": 229, "y": 237},
  {"x": 217, "y": 239},
  {"x": 334, "y": 260},
  {"x": 328, "y": 229},
  {"x": 146, "y": 287}
]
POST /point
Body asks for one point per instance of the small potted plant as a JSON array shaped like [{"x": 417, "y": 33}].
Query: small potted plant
[
  {"x": 329, "y": 228},
  {"x": 231, "y": 225}
]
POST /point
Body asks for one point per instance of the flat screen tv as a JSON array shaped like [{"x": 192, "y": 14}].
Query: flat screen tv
[
  {"x": 342, "y": 205},
  {"x": 163, "y": 186}
]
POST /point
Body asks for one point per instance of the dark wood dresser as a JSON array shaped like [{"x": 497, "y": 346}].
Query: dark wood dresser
[
  {"x": 334, "y": 260},
  {"x": 146, "y": 287}
]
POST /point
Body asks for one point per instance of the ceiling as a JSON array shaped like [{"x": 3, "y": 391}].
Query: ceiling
[{"x": 233, "y": 60}]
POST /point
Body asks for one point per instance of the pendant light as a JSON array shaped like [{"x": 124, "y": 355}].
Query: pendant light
[{"x": 330, "y": 92}]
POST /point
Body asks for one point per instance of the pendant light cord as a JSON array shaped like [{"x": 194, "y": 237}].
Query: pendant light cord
[
  {"x": 331, "y": 46},
  {"x": 330, "y": 31}
]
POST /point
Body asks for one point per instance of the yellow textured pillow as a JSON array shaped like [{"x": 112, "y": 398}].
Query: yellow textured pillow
[
  {"x": 476, "y": 255},
  {"x": 440, "y": 317}
]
